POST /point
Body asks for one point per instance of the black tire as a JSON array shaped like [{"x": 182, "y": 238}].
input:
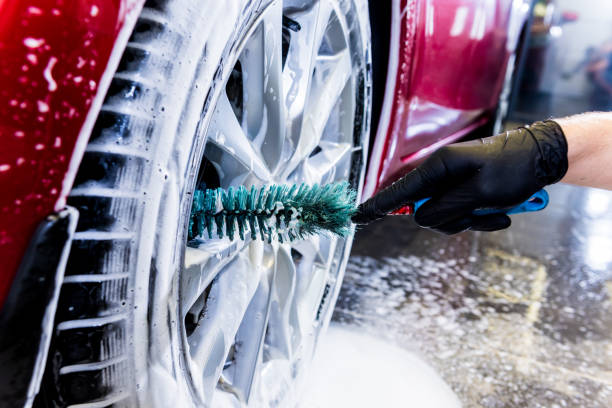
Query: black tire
[{"x": 91, "y": 360}]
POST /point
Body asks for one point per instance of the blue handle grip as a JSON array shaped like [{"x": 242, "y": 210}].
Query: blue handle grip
[{"x": 536, "y": 202}]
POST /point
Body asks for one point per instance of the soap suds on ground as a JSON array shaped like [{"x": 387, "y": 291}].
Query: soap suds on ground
[{"x": 353, "y": 369}]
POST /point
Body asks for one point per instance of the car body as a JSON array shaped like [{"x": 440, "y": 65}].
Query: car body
[
  {"x": 448, "y": 62},
  {"x": 53, "y": 83},
  {"x": 446, "y": 70},
  {"x": 56, "y": 66}
]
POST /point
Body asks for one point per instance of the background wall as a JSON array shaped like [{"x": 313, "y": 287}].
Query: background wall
[
  {"x": 592, "y": 29},
  {"x": 556, "y": 83}
]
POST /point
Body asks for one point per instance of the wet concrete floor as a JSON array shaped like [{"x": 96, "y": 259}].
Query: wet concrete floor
[{"x": 515, "y": 318}]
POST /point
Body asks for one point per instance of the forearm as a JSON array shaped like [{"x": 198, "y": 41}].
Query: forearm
[{"x": 589, "y": 139}]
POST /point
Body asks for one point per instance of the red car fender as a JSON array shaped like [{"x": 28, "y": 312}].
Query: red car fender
[
  {"x": 447, "y": 67},
  {"x": 57, "y": 59}
]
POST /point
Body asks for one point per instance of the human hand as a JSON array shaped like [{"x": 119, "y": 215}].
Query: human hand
[{"x": 496, "y": 172}]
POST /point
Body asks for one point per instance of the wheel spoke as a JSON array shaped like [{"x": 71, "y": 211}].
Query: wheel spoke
[
  {"x": 301, "y": 57},
  {"x": 312, "y": 275},
  {"x": 250, "y": 338},
  {"x": 227, "y": 134},
  {"x": 210, "y": 342},
  {"x": 327, "y": 247},
  {"x": 252, "y": 63},
  {"x": 333, "y": 73},
  {"x": 309, "y": 250},
  {"x": 272, "y": 80},
  {"x": 202, "y": 264},
  {"x": 319, "y": 165},
  {"x": 282, "y": 317}
]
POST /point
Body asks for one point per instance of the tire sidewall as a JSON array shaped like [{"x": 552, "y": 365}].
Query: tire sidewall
[{"x": 160, "y": 367}]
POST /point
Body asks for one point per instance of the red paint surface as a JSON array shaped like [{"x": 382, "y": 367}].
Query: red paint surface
[
  {"x": 419, "y": 155},
  {"x": 462, "y": 69},
  {"x": 405, "y": 210},
  {"x": 449, "y": 77},
  {"x": 53, "y": 54}
]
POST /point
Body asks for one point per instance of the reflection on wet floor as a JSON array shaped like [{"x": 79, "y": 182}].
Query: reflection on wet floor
[{"x": 515, "y": 318}]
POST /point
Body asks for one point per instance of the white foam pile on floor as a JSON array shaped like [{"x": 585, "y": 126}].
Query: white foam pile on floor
[{"x": 353, "y": 369}]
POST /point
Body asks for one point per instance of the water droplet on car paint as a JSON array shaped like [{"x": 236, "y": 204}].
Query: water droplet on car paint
[
  {"x": 78, "y": 79},
  {"x": 32, "y": 58},
  {"x": 35, "y": 11},
  {"x": 20, "y": 161},
  {"x": 94, "y": 11},
  {"x": 58, "y": 142},
  {"x": 43, "y": 107},
  {"x": 5, "y": 167},
  {"x": 39, "y": 146},
  {"x": 32, "y": 42},
  {"x": 55, "y": 12},
  {"x": 48, "y": 75}
]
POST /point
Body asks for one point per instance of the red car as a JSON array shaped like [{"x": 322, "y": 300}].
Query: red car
[{"x": 112, "y": 112}]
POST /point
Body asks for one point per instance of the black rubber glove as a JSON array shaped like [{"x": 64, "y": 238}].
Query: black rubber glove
[{"x": 496, "y": 172}]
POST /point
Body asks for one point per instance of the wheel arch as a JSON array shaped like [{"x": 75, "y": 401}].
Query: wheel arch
[{"x": 65, "y": 57}]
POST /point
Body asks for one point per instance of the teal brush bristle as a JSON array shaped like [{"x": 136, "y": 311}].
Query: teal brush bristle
[{"x": 272, "y": 212}]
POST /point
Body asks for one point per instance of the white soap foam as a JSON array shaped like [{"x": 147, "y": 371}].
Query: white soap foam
[{"x": 353, "y": 369}]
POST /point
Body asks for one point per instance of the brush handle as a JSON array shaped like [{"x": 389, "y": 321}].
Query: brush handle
[{"x": 536, "y": 202}]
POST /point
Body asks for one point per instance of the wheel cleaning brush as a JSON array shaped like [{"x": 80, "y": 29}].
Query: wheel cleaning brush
[{"x": 281, "y": 212}]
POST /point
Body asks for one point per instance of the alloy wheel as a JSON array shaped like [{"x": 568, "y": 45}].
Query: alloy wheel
[{"x": 251, "y": 312}]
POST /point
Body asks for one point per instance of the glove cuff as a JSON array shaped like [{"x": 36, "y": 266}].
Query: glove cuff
[{"x": 552, "y": 164}]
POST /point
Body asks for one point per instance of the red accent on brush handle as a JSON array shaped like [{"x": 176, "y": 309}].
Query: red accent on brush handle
[{"x": 405, "y": 210}]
